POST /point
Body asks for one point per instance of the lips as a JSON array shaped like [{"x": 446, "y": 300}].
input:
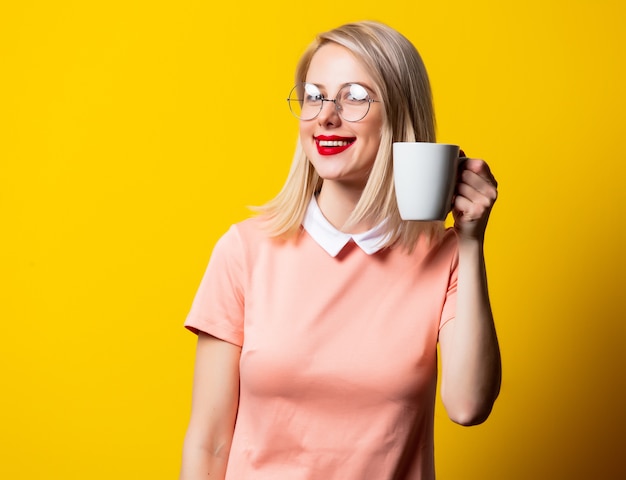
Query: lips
[{"x": 332, "y": 145}]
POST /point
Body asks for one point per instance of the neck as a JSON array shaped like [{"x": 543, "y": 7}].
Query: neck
[{"x": 337, "y": 202}]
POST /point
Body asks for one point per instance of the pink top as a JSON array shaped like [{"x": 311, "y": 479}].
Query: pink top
[{"x": 338, "y": 364}]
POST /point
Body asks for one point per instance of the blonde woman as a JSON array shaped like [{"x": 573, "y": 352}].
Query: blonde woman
[{"x": 318, "y": 319}]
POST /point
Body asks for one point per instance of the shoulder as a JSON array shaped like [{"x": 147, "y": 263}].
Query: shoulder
[
  {"x": 450, "y": 240},
  {"x": 248, "y": 232},
  {"x": 438, "y": 243},
  {"x": 438, "y": 252},
  {"x": 249, "y": 228},
  {"x": 248, "y": 237},
  {"x": 449, "y": 246}
]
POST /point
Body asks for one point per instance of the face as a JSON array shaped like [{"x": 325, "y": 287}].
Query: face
[{"x": 340, "y": 151}]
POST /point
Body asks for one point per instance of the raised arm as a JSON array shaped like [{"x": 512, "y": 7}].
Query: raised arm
[
  {"x": 470, "y": 355},
  {"x": 214, "y": 409}
]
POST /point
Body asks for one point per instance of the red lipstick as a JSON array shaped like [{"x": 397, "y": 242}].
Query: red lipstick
[{"x": 333, "y": 144}]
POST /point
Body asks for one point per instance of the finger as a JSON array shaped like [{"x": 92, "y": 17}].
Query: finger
[
  {"x": 465, "y": 213},
  {"x": 485, "y": 185},
  {"x": 462, "y": 204},
  {"x": 481, "y": 168},
  {"x": 478, "y": 201},
  {"x": 467, "y": 210},
  {"x": 470, "y": 205}
]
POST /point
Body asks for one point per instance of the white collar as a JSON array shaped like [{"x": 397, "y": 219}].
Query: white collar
[{"x": 333, "y": 240}]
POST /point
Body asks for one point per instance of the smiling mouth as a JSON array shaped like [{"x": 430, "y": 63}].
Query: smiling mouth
[{"x": 334, "y": 143}]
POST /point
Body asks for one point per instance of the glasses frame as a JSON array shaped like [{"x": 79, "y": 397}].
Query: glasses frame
[{"x": 338, "y": 107}]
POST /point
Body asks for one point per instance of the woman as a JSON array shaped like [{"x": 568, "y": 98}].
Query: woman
[{"x": 318, "y": 320}]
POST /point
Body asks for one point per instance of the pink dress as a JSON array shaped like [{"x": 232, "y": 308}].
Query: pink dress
[{"x": 339, "y": 365}]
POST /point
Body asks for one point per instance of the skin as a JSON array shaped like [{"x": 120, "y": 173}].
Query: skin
[{"x": 470, "y": 357}]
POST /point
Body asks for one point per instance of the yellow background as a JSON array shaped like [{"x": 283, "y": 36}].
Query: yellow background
[{"x": 133, "y": 133}]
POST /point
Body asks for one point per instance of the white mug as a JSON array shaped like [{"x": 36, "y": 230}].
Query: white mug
[{"x": 424, "y": 178}]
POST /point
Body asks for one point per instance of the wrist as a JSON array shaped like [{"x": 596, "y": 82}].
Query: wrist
[{"x": 470, "y": 244}]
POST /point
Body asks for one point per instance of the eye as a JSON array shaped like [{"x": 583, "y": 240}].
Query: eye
[
  {"x": 357, "y": 93},
  {"x": 312, "y": 93}
]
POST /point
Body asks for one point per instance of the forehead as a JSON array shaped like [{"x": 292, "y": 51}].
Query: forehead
[{"x": 333, "y": 65}]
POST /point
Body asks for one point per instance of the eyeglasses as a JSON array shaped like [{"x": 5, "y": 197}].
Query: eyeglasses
[{"x": 352, "y": 102}]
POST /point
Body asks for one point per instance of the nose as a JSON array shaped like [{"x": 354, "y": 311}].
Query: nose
[{"x": 329, "y": 115}]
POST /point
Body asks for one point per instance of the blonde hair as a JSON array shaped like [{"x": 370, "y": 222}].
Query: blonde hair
[{"x": 402, "y": 85}]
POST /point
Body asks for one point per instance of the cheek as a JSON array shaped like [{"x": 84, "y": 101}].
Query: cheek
[
  {"x": 373, "y": 143},
  {"x": 373, "y": 132}
]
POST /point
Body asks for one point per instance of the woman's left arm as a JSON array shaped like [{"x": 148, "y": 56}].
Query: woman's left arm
[{"x": 470, "y": 355}]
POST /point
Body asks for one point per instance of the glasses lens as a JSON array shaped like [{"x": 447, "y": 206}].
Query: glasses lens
[
  {"x": 354, "y": 102},
  {"x": 305, "y": 101}
]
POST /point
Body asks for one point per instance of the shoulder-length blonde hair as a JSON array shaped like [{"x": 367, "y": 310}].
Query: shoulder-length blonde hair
[{"x": 402, "y": 84}]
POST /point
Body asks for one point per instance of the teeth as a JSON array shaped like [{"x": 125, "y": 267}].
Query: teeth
[{"x": 333, "y": 143}]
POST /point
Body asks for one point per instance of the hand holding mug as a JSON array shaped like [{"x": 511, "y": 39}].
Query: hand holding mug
[
  {"x": 432, "y": 178},
  {"x": 475, "y": 194}
]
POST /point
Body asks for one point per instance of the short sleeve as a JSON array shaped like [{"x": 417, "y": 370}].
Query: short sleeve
[
  {"x": 218, "y": 307},
  {"x": 449, "y": 307}
]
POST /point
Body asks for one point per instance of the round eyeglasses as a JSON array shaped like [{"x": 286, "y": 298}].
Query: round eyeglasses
[{"x": 352, "y": 102}]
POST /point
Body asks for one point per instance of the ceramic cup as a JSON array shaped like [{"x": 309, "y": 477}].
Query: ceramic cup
[{"x": 424, "y": 177}]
